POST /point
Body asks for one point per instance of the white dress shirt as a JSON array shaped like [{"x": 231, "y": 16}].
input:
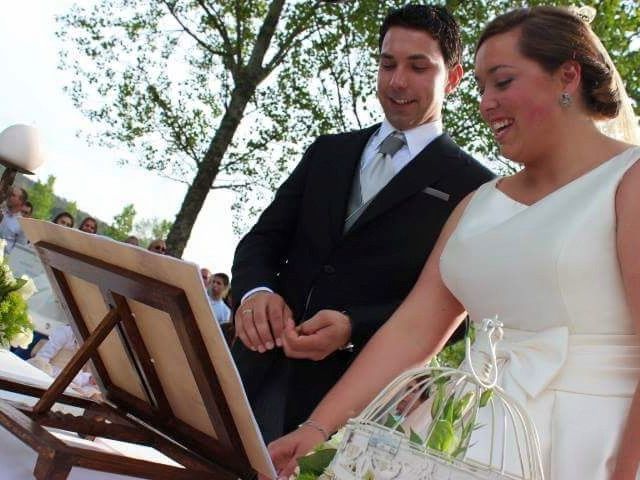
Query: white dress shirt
[
  {"x": 221, "y": 312},
  {"x": 11, "y": 230},
  {"x": 416, "y": 140},
  {"x": 62, "y": 338}
]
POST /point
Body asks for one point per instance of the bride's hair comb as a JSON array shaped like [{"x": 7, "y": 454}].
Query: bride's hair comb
[{"x": 584, "y": 13}]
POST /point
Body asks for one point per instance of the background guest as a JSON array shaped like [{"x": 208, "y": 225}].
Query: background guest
[
  {"x": 219, "y": 286},
  {"x": 27, "y": 209},
  {"x": 89, "y": 225},
  {"x": 158, "y": 246},
  {"x": 64, "y": 218},
  {"x": 132, "y": 240},
  {"x": 10, "y": 228},
  {"x": 56, "y": 353}
]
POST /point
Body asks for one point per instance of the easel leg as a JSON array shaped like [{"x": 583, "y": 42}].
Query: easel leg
[
  {"x": 51, "y": 468},
  {"x": 83, "y": 354}
]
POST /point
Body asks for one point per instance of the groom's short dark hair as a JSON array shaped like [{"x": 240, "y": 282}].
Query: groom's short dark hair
[{"x": 432, "y": 19}]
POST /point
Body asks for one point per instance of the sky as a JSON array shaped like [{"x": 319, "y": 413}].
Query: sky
[{"x": 32, "y": 94}]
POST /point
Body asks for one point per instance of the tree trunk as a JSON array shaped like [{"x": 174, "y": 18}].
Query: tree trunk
[
  {"x": 246, "y": 80},
  {"x": 207, "y": 171}
]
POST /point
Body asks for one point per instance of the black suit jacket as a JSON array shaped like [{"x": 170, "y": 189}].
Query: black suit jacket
[{"x": 298, "y": 248}]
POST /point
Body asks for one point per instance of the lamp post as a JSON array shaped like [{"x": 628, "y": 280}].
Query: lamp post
[{"x": 20, "y": 151}]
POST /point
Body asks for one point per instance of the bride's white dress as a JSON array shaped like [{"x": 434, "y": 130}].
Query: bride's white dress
[{"x": 550, "y": 272}]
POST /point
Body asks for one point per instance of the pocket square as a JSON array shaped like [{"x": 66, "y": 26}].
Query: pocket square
[{"x": 436, "y": 193}]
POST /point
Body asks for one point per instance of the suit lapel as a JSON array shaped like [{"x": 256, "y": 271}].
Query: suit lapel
[
  {"x": 437, "y": 159},
  {"x": 342, "y": 169}
]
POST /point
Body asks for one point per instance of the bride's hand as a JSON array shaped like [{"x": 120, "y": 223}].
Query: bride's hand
[{"x": 285, "y": 451}]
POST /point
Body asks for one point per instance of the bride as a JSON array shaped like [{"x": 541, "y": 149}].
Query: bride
[{"x": 553, "y": 251}]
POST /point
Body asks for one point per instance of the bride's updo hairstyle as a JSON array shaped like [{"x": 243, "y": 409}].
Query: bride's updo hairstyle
[{"x": 552, "y": 35}]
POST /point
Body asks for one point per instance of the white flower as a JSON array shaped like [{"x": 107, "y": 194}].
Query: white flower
[
  {"x": 8, "y": 274},
  {"x": 3, "y": 243},
  {"x": 22, "y": 339},
  {"x": 28, "y": 288}
]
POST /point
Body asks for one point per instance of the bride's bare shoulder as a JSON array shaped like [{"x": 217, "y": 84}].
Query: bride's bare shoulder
[{"x": 627, "y": 193}]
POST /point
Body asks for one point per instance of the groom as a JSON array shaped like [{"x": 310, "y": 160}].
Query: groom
[{"x": 348, "y": 232}]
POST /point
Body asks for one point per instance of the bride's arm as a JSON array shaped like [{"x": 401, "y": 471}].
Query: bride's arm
[
  {"x": 628, "y": 243},
  {"x": 415, "y": 332}
]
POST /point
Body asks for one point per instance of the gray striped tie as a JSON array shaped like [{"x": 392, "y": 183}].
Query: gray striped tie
[{"x": 380, "y": 170}]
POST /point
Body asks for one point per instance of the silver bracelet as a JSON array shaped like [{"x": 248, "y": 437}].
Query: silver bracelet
[{"x": 315, "y": 425}]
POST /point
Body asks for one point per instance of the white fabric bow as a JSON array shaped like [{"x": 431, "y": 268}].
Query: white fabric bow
[{"x": 527, "y": 365}]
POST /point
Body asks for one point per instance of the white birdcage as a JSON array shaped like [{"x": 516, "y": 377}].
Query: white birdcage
[{"x": 443, "y": 424}]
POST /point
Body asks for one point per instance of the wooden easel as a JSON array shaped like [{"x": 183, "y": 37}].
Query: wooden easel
[{"x": 150, "y": 420}]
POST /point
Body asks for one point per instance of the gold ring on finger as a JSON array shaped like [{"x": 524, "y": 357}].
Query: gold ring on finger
[{"x": 247, "y": 311}]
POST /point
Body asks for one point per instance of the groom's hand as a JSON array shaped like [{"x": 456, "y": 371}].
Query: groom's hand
[
  {"x": 260, "y": 320},
  {"x": 318, "y": 337}
]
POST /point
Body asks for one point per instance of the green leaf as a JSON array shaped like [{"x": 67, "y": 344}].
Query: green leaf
[
  {"x": 394, "y": 422},
  {"x": 437, "y": 401},
  {"x": 307, "y": 476},
  {"x": 465, "y": 434},
  {"x": 485, "y": 397},
  {"x": 317, "y": 462},
  {"x": 449, "y": 409},
  {"x": 415, "y": 438},
  {"x": 462, "y": 404},
  {"x": 443, "y": 437}
]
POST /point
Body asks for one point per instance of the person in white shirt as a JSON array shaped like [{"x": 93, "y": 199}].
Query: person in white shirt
[
  {"x": 219, "y": 287},
  {"x": 10, "y": 228},
  {"x": 56, "y": 353}
]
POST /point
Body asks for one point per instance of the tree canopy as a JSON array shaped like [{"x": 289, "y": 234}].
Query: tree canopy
[
  {"x": 226, "y": 94},
  {"x": 42, "y": 198}
]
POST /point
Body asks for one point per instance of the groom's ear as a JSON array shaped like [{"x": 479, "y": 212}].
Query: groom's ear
[{"x": 454, "y": 75}]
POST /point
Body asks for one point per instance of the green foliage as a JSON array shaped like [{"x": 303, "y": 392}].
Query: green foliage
[
  {"x": 452, "y": 355},
  {"x": 313, "y": 465},
  {"x": 14, "y": 319},
  {"x": 146, "y": 230},
  {"x": 149, "y": 229},
  {"x": 42, "y": 197},
  {"x": 122, "y": 224},
  {"x": 72, "y": 208},
  {"x": 228, "y": 94},
  {"x": 443, "y": 437},
  {"x": 394, "y": 422},
  {"x": 485, "y": 397}
]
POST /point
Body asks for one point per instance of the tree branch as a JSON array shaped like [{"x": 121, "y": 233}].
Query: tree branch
[
  {"x": 179, "y": 180},
  {"x": 187, "y": 30},
  {"x": 219, "y": 26},
  {"x": 238, "y": 34},
  {"x": 288, "y": 43},
  {"x": 292, "y": 39},
  {"x": 235, "y": 186},
  {"x": 263, "y": 40},
  {"x": 352, "y": 87},
  {"x": 175, "y": 132},
  {"x": 333, "y": 75}
]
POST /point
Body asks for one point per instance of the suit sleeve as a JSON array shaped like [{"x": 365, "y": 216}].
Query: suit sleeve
[{"x": 261, "y": 253}]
